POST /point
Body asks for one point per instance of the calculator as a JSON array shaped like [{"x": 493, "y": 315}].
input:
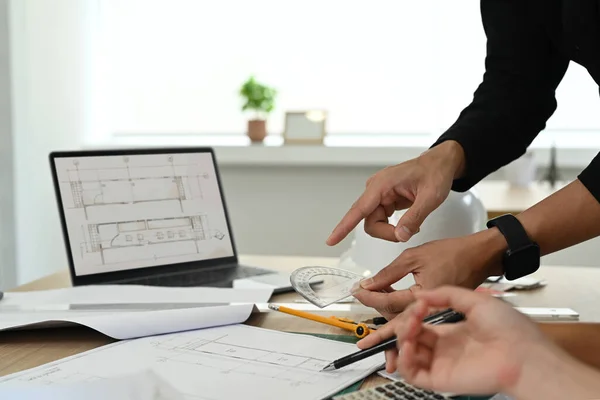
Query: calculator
[{"x": 393, "y": 391}]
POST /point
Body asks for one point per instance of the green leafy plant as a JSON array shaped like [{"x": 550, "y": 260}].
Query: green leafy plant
[{"x": 258, "y": 97}]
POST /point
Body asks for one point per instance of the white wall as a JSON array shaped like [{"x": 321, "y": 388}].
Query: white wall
[
  {"x": 49, "y": 54},
  {"x": 292, "y": 210}
]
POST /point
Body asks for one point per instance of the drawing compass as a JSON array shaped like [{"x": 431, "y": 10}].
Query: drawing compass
[{"x": 323, "y": 286}]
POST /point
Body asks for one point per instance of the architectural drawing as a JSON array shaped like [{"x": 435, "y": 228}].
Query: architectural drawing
[
  {"x": 149, "y": 238},
  {"x": 136, "y": 211},
  {"x": 55, "y": 377},
  {"x": 223, "y": 354},
  {"x": 221, "y": 363},
  {"x": 96, "y": 187}
]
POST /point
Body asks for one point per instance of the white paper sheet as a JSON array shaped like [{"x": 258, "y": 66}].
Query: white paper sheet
[
  {"x": 144, "y": 385},
  {"x": 223, "y": 363},
  {"x": 130, "y": 311},
  {"x": 134, "y": 294},
  {"x": 135, "y": 324}
]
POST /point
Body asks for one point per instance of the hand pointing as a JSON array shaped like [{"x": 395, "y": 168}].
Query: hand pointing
[{"x": 419, "y": 185}]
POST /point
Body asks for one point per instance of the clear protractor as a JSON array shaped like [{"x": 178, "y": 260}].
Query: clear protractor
[{"x": 323, "y": 286}]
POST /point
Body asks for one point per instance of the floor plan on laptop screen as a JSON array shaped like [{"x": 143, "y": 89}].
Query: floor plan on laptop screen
[{"x": 135, "y": 211}]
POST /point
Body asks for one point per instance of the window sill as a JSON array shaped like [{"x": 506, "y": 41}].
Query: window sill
[{"x": 365, "y": 151}]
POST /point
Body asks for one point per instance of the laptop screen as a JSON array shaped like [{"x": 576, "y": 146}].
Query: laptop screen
[{"x": 134, "y": 211}]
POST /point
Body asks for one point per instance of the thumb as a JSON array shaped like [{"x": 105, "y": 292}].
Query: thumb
[
  {"x": 459, "y": 299},
  {"x": 410, "y": 222},
  {"x": 377, "y": 336},
  {"x": 389, "y": 275}
]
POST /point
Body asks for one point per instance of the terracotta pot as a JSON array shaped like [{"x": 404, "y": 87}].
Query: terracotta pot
[{"x": 257, "y": 130}]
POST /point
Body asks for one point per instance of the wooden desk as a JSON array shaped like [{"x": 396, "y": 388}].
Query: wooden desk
[{"x": 568, "y": 287}]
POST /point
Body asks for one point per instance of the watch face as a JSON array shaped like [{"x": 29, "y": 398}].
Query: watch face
[{"x": 521, "y": 262}]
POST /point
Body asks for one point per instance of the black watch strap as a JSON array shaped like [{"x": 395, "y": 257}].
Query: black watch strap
[{"x": 513, "y": 231}]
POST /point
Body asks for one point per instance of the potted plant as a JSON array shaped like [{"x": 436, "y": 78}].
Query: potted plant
[{"x": 260, "y": 99}]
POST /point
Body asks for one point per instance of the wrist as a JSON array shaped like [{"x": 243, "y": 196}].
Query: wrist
[
  {"x": 523, "y": 255},
  {"x": 451, "y": 154},
  {"x": 530, "y": 225},
  {"x": 490, "y": 246},
  {"x": 549, "y": 373}
]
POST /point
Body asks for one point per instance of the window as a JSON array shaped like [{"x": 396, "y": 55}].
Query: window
[{"x": 175, "y": 66}]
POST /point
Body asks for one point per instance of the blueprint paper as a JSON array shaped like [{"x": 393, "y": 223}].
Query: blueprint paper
[
  {"x": 230, "y": 362},
  {"x": 128, "y": 325},
  {"x": 145, "y": 385},
  {"x": 133, "y": 294}
]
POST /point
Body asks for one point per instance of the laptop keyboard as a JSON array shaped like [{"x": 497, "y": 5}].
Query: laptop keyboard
[{"x": 220, "y": 277}]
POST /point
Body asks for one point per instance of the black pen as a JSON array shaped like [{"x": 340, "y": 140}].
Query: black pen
[{"x": 444, "y": 317}]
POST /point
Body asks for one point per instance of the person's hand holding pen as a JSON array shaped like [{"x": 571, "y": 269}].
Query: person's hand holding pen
[{"x": 495, "y": 350}]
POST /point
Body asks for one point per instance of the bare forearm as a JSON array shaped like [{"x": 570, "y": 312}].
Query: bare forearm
[
  {"x": 579, "y": 340},
  {"x": 568, "y": 217},
  {"x": 549, "y": 373}
]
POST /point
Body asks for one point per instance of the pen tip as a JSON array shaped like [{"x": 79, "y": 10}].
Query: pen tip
[{"x": 329, "y": 367}]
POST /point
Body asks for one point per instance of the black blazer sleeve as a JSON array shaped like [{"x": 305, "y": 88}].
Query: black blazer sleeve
[
  {"x": 590, "y": 177},
  {"x": 517, "y": 96}
]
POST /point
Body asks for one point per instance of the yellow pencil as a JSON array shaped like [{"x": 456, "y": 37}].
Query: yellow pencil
[{"x": 360, "y": 330}]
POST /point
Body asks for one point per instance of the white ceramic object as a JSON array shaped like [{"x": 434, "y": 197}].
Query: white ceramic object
[{"x": 461, "y": 214}]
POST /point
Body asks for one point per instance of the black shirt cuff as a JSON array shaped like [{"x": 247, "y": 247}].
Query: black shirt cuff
[
  {"x": 590, "y": 177},
  {"x": 474, "y": 171}
]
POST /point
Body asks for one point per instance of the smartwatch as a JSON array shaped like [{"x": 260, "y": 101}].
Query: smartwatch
[{"x": 523, "y": 255}]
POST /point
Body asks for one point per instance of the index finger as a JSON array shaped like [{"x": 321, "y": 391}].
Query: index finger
[
  {"x": 377, "y": 336},
  {"x": 459, "y": 299},
  {"x": 388, "y": 302},
  {"x": 408, "y": 323},
  {"x": 362, "y": 208}
]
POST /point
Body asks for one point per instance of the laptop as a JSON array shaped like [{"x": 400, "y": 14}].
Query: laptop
[{"x": 153, "y": 217}]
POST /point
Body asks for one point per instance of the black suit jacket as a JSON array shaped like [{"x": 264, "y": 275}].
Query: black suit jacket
[{"x": 529, "y": 46}]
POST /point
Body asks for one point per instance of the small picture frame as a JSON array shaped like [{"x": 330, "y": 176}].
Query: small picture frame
[{"x": 305, "y": 127}]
